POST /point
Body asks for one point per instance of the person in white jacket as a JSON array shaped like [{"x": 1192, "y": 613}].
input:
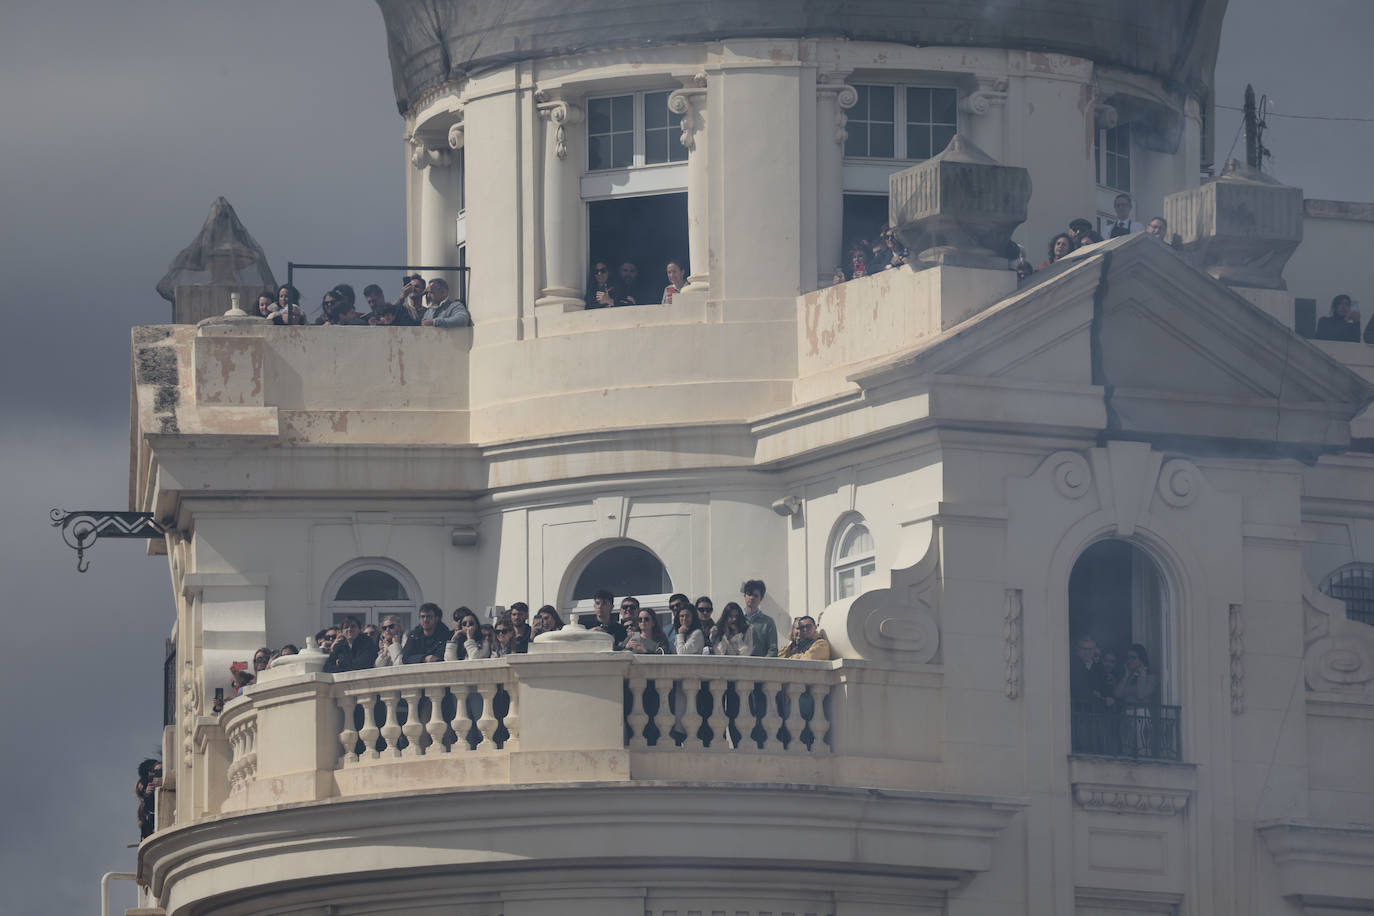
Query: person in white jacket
[
  {"x": 731, "y": 635},
  {"x": 689, "y": 638},
  {"x": 391, "y": 643},
  {"x": 468, "y": 637}
]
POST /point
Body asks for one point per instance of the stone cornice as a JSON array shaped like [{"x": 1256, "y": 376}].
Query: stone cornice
[{"x": 1322, "y": 862}]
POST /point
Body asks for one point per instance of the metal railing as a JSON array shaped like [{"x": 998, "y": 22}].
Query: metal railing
[
  {"x": 461, "y": 269},
  {"x": 1137, "y": 732}
]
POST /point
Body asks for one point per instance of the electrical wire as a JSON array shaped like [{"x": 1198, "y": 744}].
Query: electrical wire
[{"x": 1271, "y": 114}]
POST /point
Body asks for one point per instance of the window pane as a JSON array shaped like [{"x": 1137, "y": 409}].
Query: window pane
[
  {"x": 880, "y": 140},
  {"x": 917, "y": 141},
  {"x": 624, "y": 570},
  {"x": 859, "y": 112},
  {"x": 940, "y": 136},
  {"x": 655, "y": 110},
  {"x": 844, "y": 584},
  {"x": 371, "y": 585},
  {"x": 918, "y": 106},
  {"x": 944, "y": 105},
  {"x": 599, "y": 116},
  {"x": 676, "y": 151},
  {"x": 866, "y": 569},
  {"x": 655, "y": 146},
  {"x": 623, "y": 150},
  {"x": 881, "y": 103},
  {"x": 599, "y": 152},
  {"x": 856, "y": 144},
  {"x": 857, "y": 542},
  {"x": 623, "y": 112}
]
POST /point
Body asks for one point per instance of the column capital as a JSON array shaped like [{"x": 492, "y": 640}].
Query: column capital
[
  {"x": 845, "y": 95},
  {"x": 455, "y": 135},
  {"x": 1104, "y": 117},
  {"x": 685, "y": 101},
  {"x": 558, "y": 112},
  {"x": 990, "y": 92},
  {"x": 423, "y": 155}
]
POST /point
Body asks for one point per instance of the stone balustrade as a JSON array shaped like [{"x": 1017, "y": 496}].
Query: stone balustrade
[{"x": 581, "y": 717}]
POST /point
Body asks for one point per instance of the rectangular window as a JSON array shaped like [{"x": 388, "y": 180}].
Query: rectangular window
[
  {"x": 627, "y": 131},
  {"x": 610, "y": 132},
  {"x": 928, "y": 116},
  {"x": 1114, "y": 157},
  {"x": 932, "y": 118}
]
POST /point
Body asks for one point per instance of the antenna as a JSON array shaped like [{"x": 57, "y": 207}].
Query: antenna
[{"x": 1255, "y": 125}]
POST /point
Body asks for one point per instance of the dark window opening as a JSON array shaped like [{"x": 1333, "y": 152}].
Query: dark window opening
[
  {"x": 1355, "y": 586},
  {"x": 864, "y": 215},
  {"x": 932, "y": 118},
  {"x": 624, "y": 570},
  {"x": 371, "y": 585},
  {"x": 648, "y": 231}
]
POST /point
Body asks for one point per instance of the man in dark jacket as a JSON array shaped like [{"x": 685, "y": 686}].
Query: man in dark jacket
[
  {"x": 352, "y": 650},
  {"x": 426, "y": 642}
]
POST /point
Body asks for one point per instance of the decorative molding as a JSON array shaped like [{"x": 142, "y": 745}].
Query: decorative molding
[
  {"x": 1128, "y": 799},
  {"x": 423, "y": 156},
  {"x": 455, "y": 135},
  {"x": 1237, "y": 630},
  {"x": 1179, "y": 481},
  {"x": 190, "y": 709},
  {"x": 990, "y": 92},
  {"x": 685, "y": 102},
  {"x": 1072, "y": 476},
  {"x": 846, "y": 96},
  {"x": 1339, "y": 657},
  {"x": 1104, "y": 117},
  {"x": 432, "y": 95},
  {"x": 559, "y": 113},
  {"x": 1011, "y": 642}
]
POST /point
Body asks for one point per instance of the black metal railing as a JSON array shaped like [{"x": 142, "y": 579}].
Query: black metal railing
[
  {"x": 1355, "y": 586},
  {"x": 461, "y": 269},
  {"x": 1137, "y": 732}
]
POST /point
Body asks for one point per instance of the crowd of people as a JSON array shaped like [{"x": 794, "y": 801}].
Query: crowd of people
[
  {"x": 605, "y": 290},
  {"x": 1115, "y": 697},
  {"x": 1343, "y": 323},
  {"x": 743, "y": 629},
  {"x": 419, "y": 304}
]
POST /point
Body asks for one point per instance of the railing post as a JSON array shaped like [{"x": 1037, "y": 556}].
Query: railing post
[{"x": 563, "y": 741}]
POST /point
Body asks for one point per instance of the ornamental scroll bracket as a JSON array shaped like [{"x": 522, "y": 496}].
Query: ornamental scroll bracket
[
  {"x": 990, "y": 92},
  {"x": 559, "y": 113},
  {"x": 687, "y": 102},
  {"x": 423, "y": 156},
  {"x": 846, "y": 96},
  {"x": 81, "y": 529}
]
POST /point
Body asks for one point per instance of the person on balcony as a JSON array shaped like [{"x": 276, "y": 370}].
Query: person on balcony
[
  {"x": 647, "y": 638},
  {"x": 1158, "y": 228},
  {"x": 1123, "y": 224},
  {"x": 149, "y": 779},
  {"x": 1342, "y": 324},
  {"x": 1061, "y": 245},
  {"x": 426, "y": 642},
  {"x": 351, "y": 651},
  {"x": 603, "y": 620},
  {"x": 762, "y": 630},
  {"x": 676, "y": 280},
  {"x": 467, "y": 641},
  {"x": 1138, "y": 687},
  {"x": 1088, "y": 687},
  {"x": 706, "y": 609},
  {"x": 288, "y": 309},
  {"x": 391, "y": 642},
  {"x": 808, "y": 643},
  {"x": 629, "y": 614},
  {"x": 443, "y": 311},
  {"x": 520, "y": 618},
  {"x": 629, "y": 283},
  {"x": 689, "y": 638},
  {"x": 731, "y": 635},
  {"x": 546, "y": 620},
  {"x": 412, "y": 299},
  {"x": 509, "y": 641}
]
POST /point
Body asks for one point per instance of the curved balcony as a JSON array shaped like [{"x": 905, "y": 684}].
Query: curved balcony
[{"x": 531, "y": 719}]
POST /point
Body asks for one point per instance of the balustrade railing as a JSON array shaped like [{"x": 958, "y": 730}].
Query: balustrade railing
[
  {"x": 242, "y": 735},
  {"x": 413, "y": 713},
  {"x": 1137, "y": 732},
  {"x": 727, "y": 705}
]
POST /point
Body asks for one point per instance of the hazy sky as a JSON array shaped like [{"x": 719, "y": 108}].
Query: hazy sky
[{"x": 120, "y": 121}]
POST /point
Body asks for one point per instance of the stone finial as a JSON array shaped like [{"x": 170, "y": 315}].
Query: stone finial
[
  {"x": 1241, "y": 229},
  {"x": 959, "y": 208}
]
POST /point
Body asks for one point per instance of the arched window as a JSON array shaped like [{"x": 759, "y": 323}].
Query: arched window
[
  {"x": 1353, "y": 584},
  {"x": 1122, "y": 681},
  {"x": 369, "y": 589},
  {"x": 853, "y": 557},
  {"x": 623, "y": 569}
]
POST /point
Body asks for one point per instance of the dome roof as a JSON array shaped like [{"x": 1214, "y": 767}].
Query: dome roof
[{"x": 431, "y": 41}]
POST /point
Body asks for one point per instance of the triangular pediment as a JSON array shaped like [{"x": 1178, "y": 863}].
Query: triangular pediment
[{"x": 1172, "y": 352}]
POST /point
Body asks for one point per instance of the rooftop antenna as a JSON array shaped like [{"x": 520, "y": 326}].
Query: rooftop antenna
[{"x": 1255, "y": 150}]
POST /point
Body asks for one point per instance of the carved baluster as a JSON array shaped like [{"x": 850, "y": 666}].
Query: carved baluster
[
  {"x": 391, "y": 731},
  {"x": 461, "y": 723},
  {"x": 512, "y": 720},
  {"x": 348, "y": 736},
  {"x": 663, "y": 718},
  {"x": 795, "y": 722},
  {"x": 771, "y": 720},
  {"x": 436, "y": 726},
  {"x": 637, "y": 718},
  {"x": 487, "y": 721},
  {"x": 719, "y": 721},
  {"x": 820, "y": 722},
  {"x": 691, "y": 715},
  {"x": 413, "y": 728},
  {"x": 369, "y": 732}
]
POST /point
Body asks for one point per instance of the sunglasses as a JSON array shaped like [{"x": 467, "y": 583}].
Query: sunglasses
[{"x": 503, "y": 630}]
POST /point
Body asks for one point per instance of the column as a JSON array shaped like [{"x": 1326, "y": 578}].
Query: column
[
  {"x": 987, "y": 106},
  {"x": 690, "y": 102},
  {"x": 438, "y": 207},
  {"x": 833, "y": 96},
  {"x": 562, "y": 210}
]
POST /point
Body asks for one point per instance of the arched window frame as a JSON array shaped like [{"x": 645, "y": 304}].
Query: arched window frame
[
  {"x": 370, "y": 611},
  {"x": 567, "y": 605},
  {"x": 1358, "y": 607},
  {"x": 863, "y": 564}
]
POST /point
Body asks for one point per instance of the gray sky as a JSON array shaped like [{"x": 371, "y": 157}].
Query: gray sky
[{"x": 122, "y": 121}]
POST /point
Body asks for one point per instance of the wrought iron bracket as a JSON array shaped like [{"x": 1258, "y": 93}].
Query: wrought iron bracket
[{"x": 81, "y": 529}]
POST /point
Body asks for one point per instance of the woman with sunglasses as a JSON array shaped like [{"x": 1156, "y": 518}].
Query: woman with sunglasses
[
  {"x": 391, "y": 642},
  {"x": 509, "y": 641},
  {"x": 647, "y": 637},
  {"x": 468, "y": 641},
  {"x": 601, "y": 293},
  {"x": 731, "y": 635}
]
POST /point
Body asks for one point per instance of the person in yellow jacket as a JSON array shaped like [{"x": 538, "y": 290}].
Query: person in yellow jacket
[{"x": 807, "y": 642}]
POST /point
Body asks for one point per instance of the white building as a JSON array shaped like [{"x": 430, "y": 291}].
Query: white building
[{"x": 957, "y": 477}]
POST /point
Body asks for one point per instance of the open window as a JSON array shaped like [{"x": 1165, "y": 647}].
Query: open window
[
  {"x": 1122, "y": 680},
  {"x": 623, "y": 569},
  {"x": 370, "y": 589},
  {"x": 646, "y": 231}
]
